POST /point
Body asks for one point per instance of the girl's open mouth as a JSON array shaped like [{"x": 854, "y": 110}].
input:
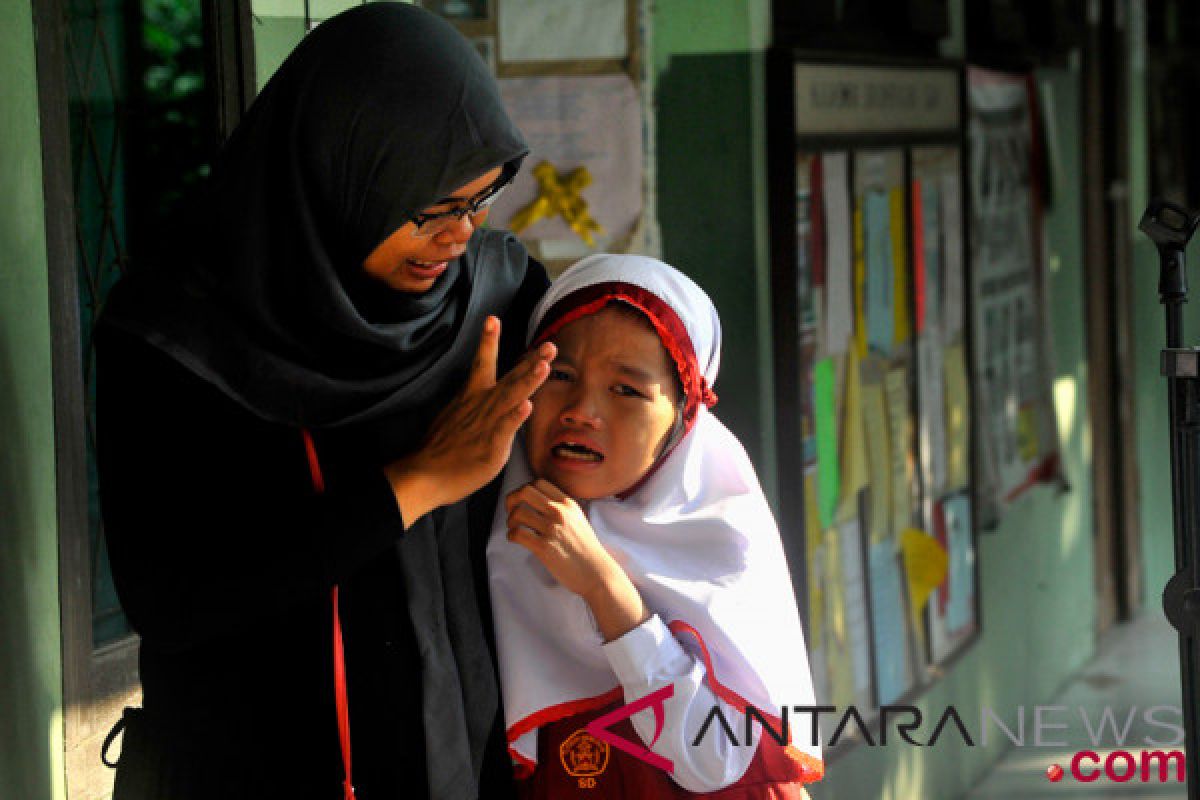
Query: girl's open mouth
[{"x": 574, "y": 451}]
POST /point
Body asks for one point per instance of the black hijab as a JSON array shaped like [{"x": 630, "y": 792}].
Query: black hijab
[{"x": 378, "y": 113}]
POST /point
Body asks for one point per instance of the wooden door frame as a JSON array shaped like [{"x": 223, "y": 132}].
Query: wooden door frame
[
  {"x": 97, "y": 683},
  {"x": 1106, "y": 276}
]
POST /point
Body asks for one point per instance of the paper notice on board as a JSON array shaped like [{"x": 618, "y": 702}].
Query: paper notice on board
[
  {"x": 839, "y": 267},
  {"x": 807, "y": 225},
  {"x": 812, "y": 553},
  {"x": 919, "y": 278},
  {"x": 853, "y": 451},
  {"x": 950, "y": 195},
  {"x": 879, "y": 516},
  {"x": 860, "y": 284},
  {"x": 890, "y": 624},
  {"x": 960, "y": 608},
  {"x": 931, "y": 252},
  {"x": 825, "y": 412},
  {"x": 957, "y": 417},
  {"x": 880, "y": 299},
  {"x": 854, "y": 590},
  {"x": 551, "y": 30},
  {"x": 931, "y": 403},
  {"x": 589, "y": 121},
  {"x": 895, "y": 391},
  {"x": 896, "y": 224},
  {"x": 837, "y": 635}
]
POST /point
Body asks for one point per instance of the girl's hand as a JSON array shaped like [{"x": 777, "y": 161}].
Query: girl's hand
[
  {"x": 552, "y": 526},
  {"x": 471, "y": 439}
]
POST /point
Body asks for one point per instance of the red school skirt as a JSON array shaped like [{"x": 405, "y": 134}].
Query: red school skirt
[{"x": 574, "y": 764}]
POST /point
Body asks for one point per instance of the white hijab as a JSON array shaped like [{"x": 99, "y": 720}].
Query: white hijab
[{"x": 696, "y": 538}]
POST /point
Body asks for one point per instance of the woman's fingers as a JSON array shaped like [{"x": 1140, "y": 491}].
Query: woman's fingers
[
  {"x": 483, "y": 369},
  {"x": 525, "y": 378},
  {"x": 470, "y": 441},
  {"x": 508, "y": 425}
]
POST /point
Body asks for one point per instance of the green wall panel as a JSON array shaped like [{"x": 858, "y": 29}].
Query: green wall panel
[
  {"x": 706, "y": 209},
  {"x": 31, "y": 742}
]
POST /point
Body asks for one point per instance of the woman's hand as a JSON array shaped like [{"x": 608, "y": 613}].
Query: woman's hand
[
  {"x": 552, "y": 526},
  {"x": 470, "y": 440}
]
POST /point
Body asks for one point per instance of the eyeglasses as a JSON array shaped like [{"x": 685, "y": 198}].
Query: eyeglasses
[{"x": 431, "y": 224}]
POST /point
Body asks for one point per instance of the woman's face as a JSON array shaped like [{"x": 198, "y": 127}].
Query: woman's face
[
  {"x": 410, "y": 263},
  {"x": 603, "y": 415}
]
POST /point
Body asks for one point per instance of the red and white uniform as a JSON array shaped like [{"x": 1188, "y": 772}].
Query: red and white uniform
[{"x": 698, "y": 540}]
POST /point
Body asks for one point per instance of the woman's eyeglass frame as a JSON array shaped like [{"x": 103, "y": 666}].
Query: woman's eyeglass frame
[{"x": 427, "y": 225}]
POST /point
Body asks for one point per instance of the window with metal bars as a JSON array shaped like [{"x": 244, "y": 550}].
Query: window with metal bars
[{"x": 141, "y": 137}]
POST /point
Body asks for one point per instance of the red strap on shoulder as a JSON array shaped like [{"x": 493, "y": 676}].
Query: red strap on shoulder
[{"x": 339, "y": 655}]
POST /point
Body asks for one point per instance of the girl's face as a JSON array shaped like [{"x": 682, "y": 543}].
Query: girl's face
[
  {"x": 604, "y": 414},
  {"x": 410, "y": 263}
]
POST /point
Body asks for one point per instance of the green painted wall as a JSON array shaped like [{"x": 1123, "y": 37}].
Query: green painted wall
[
  {"x": 279, "y": 27},
  {"x": 711, "y": 143},
  {"x": 31, "y": 728},
  {"x": 1149, "y": 321}
]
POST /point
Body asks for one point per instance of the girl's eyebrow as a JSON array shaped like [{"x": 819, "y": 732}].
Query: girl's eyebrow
[{"x": 634, "y": 372}]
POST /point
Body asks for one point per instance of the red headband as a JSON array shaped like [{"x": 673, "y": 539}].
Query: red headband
[{"x": 666, "y": 323}]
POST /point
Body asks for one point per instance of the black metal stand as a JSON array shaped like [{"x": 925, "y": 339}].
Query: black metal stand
[{"x": 1170, "y": 227}]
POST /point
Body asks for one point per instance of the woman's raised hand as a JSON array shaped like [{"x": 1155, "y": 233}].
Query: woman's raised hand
[{"x": 470, "y": 440}]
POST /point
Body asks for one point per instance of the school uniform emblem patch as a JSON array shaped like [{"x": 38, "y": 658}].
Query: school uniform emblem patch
[{"x": 583, "y": 755}]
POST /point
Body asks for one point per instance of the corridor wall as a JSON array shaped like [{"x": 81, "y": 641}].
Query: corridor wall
[{"x": 31, "y": 720}]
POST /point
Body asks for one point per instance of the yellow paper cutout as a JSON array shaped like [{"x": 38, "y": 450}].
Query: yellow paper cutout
[
  {"x": 926, "y": 565},
  {"x": 899, "y": 266},
  {"x": 559, "y": 196}
]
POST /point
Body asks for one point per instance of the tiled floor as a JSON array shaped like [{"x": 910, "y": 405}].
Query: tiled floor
[{"x": 1121, "y": 678}]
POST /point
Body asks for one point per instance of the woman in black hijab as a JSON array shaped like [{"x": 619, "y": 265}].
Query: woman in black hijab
[{"x": 281, "y": 410}]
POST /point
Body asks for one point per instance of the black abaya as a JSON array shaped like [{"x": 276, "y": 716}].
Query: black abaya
[
  {"x": 224, "y": 557},
  {"x": 261, "y": 324}
]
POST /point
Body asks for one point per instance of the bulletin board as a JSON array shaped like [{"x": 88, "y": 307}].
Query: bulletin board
[
  {"x": 872, "y": 355},
  {"x": 574, "y": 79},
  {"x": 1018, "y": 430}
]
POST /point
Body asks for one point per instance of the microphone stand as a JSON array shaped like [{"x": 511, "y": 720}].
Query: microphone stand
[{"x": 1170, "y": 227}]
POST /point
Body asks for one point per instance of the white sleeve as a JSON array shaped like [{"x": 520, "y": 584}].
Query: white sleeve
[{"x": 648, "y": 658}]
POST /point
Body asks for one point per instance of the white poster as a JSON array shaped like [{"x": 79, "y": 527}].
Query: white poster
[
  {"x": 1018, "y": 437},
  {"x": 562, "y": 30},
  {"x": 589, "y": 122},
  {"x": 839, "y": 268}
]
